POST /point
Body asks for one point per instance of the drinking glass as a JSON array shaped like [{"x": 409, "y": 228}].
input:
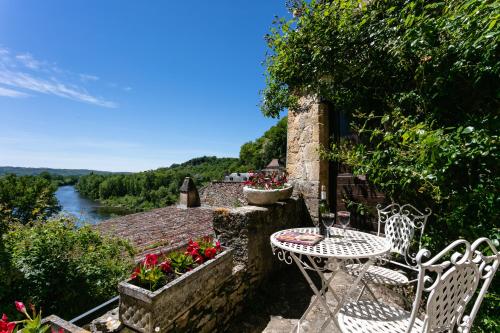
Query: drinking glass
[
  {"x": 328, "y": 219},
  {"x": 344, "y": 219}
]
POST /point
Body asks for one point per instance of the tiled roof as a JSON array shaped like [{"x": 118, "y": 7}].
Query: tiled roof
[{"x": 162, "y": 229}]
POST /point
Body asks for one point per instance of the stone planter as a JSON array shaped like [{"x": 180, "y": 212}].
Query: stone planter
[
  {"x": 155, "y": 311},
  {"x": 56, "y": 324},
  {"x": 267, "y": 197}
]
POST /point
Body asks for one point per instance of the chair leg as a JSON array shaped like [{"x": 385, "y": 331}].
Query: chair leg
[
  {"x": 361, "y": 293},
  {"x": 372, "y": 294}
]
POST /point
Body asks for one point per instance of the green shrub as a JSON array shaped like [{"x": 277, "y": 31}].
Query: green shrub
[{"x": 64, "y": 269}]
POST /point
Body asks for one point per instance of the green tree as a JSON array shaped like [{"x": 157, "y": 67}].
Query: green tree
[
  {"x": 272, "y": 144},
  {"x": 27, "y": 198}
]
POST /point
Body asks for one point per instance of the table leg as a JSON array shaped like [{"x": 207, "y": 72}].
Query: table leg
[{"x": 319, "y": 294}]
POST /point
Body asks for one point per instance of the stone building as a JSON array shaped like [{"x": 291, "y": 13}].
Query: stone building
[
  {"x": 237, "y": 177},
  {"x": 274, "y": 167},
  {"x": 314, "y": 125}
]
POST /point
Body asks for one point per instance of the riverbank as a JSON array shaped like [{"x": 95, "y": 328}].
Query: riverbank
[{"x": 84, "y": 209}]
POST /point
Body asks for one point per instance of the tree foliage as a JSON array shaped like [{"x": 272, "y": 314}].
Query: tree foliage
[
  {"x": 419, "y": 81},
  {"x": 156, "y": 188},
  {"x": 27, "y": 198},
  {"x": 64, "y": 269},
  {"x": 272, "y": 144}
]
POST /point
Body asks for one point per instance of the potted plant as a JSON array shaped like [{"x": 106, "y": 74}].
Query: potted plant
[
  {"x": 262, "y": 189},
  {"x": 162, "y": 287}
]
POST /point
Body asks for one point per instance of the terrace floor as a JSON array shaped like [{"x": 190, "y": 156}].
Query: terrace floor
[{"x": 279, "y": 306}]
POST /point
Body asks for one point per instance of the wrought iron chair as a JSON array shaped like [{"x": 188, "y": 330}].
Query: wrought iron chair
[
  {"x": 404, "y": 226},
  {"x": 449, "y": 281}
]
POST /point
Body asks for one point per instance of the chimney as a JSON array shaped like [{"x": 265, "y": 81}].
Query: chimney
[{"x": 189, "y": 196}]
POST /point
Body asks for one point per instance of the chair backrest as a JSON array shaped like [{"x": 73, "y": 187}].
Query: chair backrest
[
  {"x": 401, "y": 225},
  {"x": 487, "y": 259},
  {"x": 450, "y": 280}
]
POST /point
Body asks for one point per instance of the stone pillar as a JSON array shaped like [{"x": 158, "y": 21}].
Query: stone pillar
[
  {"x": 307, "y": 132},
  {"x": 189, "y": 196}
]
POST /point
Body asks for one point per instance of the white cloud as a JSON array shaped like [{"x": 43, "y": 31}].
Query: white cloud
[
  {"x": 11, "y": 93},
  {"x": 88, "y": 77},
  {"x": 42, "y": 77},
  {"x": 26, "y": 81},
  {"x": 27, "y": 60}
]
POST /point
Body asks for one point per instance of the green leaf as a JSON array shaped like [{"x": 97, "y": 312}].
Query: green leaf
[{"x": 467, "y": 130}]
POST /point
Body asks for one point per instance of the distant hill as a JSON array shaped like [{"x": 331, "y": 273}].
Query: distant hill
[{"x": 20, "y": 171}]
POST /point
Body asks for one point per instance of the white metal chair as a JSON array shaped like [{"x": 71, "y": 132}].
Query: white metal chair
[
  {"x": 404, "y": 226},
  {"x": 449, "y": 281}
]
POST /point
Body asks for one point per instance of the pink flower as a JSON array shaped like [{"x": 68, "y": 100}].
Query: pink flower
[
  {"x": 151, "y": 260},
  {"x": 20, "y": 306},
  {"x": 5, "y": 325},
  {"x": 217, "y": 246},
  {"x": 166, "y": 267}
]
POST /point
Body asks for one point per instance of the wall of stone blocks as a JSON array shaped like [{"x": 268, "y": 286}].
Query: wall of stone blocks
[
  {"x": 308, "y": 131},
  {"x": 247, "y": 230}
]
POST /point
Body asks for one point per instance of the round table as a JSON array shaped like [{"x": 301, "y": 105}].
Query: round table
[{"x": 330, "y": 255}]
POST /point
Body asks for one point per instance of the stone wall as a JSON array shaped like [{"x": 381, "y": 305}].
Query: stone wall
[
  {"x": 307, "y": 132},
  {"x": 247, "y": 231}
]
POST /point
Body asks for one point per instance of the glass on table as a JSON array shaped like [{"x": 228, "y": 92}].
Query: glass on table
[
  {"x": 344, "y": 218},
  {"x": 328, "y": 219}
]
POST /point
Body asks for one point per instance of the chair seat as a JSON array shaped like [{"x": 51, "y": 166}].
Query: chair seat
[
  {"x": 379, "y": 275},
  {"x": 373, "y": 317}
]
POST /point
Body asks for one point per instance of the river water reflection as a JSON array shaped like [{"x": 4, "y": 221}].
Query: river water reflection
[{"x": 85, "y": 210}]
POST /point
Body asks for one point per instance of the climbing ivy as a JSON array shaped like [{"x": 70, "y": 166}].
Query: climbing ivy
[{"x": 419, "y": 81}]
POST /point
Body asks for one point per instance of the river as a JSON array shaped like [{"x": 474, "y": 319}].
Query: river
[{"x": 84, "y": 209}]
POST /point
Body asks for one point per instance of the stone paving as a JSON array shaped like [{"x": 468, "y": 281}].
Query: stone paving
[{"x": 280, "y": 305}]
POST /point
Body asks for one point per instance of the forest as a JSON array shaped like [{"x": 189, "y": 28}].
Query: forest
[{"x": 159, "y": 188}]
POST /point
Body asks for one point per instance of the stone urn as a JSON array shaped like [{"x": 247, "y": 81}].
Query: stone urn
[
  {"x": 157, "y": 311},
  {"x": 261, "y": 197}
]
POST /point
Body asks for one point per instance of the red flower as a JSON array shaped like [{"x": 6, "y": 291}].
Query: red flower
[
  {"x": 5, "y": 325},
  {"x": 166, "y": 267},
  {"x": 136, "y": 272},
  {"x": 198, "y": 259},
  {"x": 20, "y": 307},
  {"x": 210, "y": 252},
  {"x": 151, "y": 260},
  {"x": 60, "y": 330},
  {"x": 217, "y": 246},
  {"x": 192, "y": 246}
]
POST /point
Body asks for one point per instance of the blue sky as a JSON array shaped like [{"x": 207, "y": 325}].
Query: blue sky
[{"x": 130, "y": 85}]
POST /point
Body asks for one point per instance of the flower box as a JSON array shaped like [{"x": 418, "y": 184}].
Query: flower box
[
  {"x": 154, "y": 311},
  {"x": 60, "y": 325},
  {"x": 264, "y": 197}
]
